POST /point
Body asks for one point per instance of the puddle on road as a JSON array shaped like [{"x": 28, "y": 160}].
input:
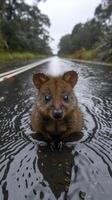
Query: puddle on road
[{"x": 83, "y": 170}]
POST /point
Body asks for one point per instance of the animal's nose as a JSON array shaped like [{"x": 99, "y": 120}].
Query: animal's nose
[{"x": 57, "y": 113}]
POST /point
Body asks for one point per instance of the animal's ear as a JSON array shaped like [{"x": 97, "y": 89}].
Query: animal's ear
[
  {"x": 71, "y": 77},
  {"x": 39, "y": 79}
]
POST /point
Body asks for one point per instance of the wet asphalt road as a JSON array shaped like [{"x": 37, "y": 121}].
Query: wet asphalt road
[{"x": 83, "y": 170}]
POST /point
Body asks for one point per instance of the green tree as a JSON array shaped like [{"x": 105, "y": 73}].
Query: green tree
[
  {"x": 23, "y": 27},
  {"x": 65, "y": 44},
  {"x": 103, "y": 14},
  {"x": 82, "y": 36},
  {"x": 95, "y": 34}
]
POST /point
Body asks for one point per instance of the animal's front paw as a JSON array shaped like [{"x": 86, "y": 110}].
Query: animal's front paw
[
  {"x": 52, "y": 146},
  {"x": 60, "y": 145}
]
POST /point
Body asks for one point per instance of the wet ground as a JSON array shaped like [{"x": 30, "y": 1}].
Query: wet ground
[
  {"x": 7, "y": 66},
  {"x": 83, "y": 169}
]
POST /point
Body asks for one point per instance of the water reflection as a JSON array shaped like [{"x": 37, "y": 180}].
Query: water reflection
[
  {"x": 83, "y": 169},
  {"x": 56, "y": 169},
  {"x": 56, "y": 67}
]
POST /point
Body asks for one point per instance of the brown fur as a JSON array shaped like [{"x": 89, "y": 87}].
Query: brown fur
[{"x": 42, "y": 118}]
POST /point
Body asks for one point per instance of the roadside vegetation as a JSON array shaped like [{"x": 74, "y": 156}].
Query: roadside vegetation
[
  {"x": 23, "y": 31},
  {"x": 19, "y": 56},
  {"x": 91, "y": 40}
]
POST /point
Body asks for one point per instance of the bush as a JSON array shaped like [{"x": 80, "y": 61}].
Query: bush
[
  {"x": 84, "y": 54},
  {"x": 6, "y": 56}
]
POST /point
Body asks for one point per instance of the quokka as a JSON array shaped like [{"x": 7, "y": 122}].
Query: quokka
[{"x": 56, "y": 114}]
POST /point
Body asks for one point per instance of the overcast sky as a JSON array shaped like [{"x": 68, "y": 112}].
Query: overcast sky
[{"x": 64, "y": 14}]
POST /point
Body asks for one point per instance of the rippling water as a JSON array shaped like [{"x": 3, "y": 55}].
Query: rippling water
[{"x": 83, "y": 170}]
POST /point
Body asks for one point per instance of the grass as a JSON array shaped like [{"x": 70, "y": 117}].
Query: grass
[
  {"x": 84, "y": 55},
  {"x": 109, "y": 59},
  {"x": 19, "y": 56}
]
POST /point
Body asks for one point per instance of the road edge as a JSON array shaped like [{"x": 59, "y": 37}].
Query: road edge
[{"x": 89, "y": 62}]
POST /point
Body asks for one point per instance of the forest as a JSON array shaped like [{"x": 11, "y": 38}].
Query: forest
[
  {"x": 91, "y": 40},
  {"x": 23, "y": 28}
]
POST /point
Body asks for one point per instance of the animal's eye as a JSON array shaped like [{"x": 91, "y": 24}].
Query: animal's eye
[
  {"x": 65, "y": 98},
  {"x": 47, "y": 98}
]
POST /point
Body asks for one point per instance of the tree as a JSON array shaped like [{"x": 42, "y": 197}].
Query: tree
[
  {"x": 65, "y": 44},
  {"x": 82, "y": 36},
  {"x": 23, "y": 27},
  {"x": 103, "y": 14},
  {"x": 95, "y": 34}
]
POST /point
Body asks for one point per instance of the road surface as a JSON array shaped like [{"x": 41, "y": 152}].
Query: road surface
[{"x": 83, "y": 170}]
